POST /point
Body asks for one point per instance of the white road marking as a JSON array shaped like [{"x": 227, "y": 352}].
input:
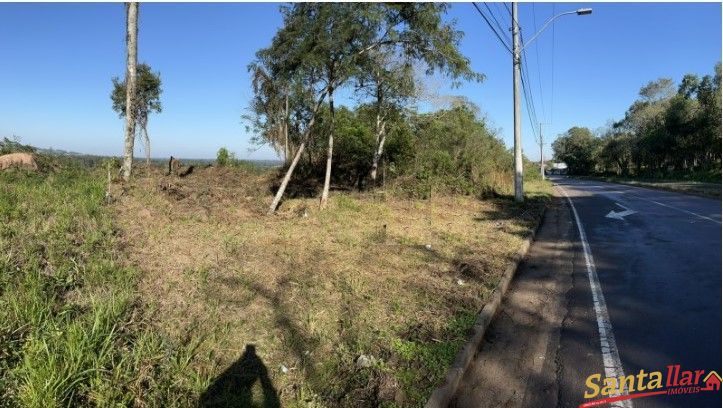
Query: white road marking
[
  {"x": 620, "y": 215},
  {"x": 622, "y": 206},
  {"x": 634, "y": 188},
  {"x": 611, "y": 358},
  {"x": 679, "y": 209}
]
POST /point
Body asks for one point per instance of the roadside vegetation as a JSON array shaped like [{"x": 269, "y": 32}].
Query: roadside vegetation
[
  {"x": 72, "y": 330},
  {"x": 670, "y": 136}
]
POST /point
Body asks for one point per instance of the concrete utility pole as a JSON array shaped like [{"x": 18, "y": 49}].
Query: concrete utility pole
[
  {"x": 542, "y": 155},
  {"x": 516, "y": 55},
  {"x": 516, "y": 102}
]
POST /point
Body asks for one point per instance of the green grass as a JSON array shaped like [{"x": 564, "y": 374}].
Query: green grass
[
  {"x": 431, "y": 358},
  {"x": 71, "y": 330}
]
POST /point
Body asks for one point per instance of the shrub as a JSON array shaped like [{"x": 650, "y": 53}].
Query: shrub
[{"x": 224, "y": 157}]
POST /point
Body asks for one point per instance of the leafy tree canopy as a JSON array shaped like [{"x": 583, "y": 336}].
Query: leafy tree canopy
[{"x": 148, "y": 93}]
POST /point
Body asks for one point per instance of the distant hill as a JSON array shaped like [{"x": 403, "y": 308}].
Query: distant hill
[{"x": 91, "y": 159}]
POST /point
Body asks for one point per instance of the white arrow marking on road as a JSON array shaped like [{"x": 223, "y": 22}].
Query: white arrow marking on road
[{"x": 620, "y": 215}]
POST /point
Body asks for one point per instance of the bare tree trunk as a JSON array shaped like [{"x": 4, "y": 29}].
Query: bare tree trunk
[
  {"x": 277, "y": 142},
  {"x": 380, "y": 130},
  {"x": 381, "y": 137},
  {"x": 286, "y": 129},
  {"x": 131, "y": 63},
  {"x": 329, "y": 152},
  {"x": 299, "y": 151},
  {"x": 287, "y": 177}
]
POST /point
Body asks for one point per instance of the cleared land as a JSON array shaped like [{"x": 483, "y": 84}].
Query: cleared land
[{"x": 225, "y": 306}]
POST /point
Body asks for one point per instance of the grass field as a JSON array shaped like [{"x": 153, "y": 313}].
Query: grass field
[{"x": 182, "y": 293}]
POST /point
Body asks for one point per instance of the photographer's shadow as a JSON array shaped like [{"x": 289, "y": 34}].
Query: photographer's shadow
[{"x": 234, "y": 387}]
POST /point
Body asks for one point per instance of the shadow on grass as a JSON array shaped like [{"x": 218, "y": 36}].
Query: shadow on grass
[
  {"x": 521, "y": 215},
  {"x": 234, "y": 387}
]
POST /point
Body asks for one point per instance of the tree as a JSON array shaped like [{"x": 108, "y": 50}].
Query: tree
[
  {"x": 709, "y": 120},
  {"x": 577, "y": 148},
  {"x": 665, "y": 131},
  {"x": 225, "y": 158},
  {"x": 689, "y": 85},
  {"x": 616, "y": 151},
  {"x": 389, "y": 81},
  {"x": 132, "y": 58},
  {"x": 324, "y": 45},
  {"x": 270, "y": 109},
  {"x": 658, "y": 90},
  {"x": 456, "y": 150},
  {"x": 147, "y": 99}
]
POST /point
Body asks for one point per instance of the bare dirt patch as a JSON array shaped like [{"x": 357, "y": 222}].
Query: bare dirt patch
[{"x": 362, "y": 304}]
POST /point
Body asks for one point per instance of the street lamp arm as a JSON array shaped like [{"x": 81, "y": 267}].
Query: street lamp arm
[{"x": 579, "y": 12}]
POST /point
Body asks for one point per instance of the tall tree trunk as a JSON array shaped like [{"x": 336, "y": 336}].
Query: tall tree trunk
[
  {"x": 299, "y": 151},
  {"x": 277, "y": 143},
  {"x": 381, "y": 137},
  {"x": 380, "y": 130},
  {"x": 329, "y": 152},
  {"x": 286, "y": 129},
  {"x": 287, "y": 177},
  {"x": 131, "y": 63}
]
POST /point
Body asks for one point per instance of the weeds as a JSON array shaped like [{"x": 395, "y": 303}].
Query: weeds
[{"x": 71, "y": 331}]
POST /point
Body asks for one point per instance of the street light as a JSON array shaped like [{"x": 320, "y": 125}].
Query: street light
[{"x": 516, "y": 53}]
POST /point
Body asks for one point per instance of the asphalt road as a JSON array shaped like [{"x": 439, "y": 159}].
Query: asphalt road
[{"x": 657, "y": 262}]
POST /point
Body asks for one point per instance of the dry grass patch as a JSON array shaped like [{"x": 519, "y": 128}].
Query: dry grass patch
[{"x": 364, "y": 304}]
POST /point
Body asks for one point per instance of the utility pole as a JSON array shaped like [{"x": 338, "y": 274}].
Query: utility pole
[
  {"x": 516, "y": 102},
  {"x": 516, "y": 56},
  {"x": 542, "y": 155}
]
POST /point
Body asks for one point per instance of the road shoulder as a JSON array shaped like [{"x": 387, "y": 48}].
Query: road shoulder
[{"x": 516, "y": 364}]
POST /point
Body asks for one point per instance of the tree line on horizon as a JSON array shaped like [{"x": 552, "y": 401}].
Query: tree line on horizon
[{"x": 672, "y": 130}]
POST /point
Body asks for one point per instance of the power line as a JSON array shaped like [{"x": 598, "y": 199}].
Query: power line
[
  {"x": 539, "y": 74},
  {"x": 529, "y": 101},
  {"x": 501, "y": 11},
  {"x": 492, "y": 27},
  {"x": 510, "y": 12},
  {"x": 497, "y": 22},
  {"x": 530, "y": 110},
  {"x": 525, "y": 77},
  {"x": 526, "y": 87}
]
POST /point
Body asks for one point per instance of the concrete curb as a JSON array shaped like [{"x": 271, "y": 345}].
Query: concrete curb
[{"x": 442, "y": 395}]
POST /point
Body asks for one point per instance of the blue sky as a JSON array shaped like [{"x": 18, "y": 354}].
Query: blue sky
[{"x": 58, "y": 60}]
